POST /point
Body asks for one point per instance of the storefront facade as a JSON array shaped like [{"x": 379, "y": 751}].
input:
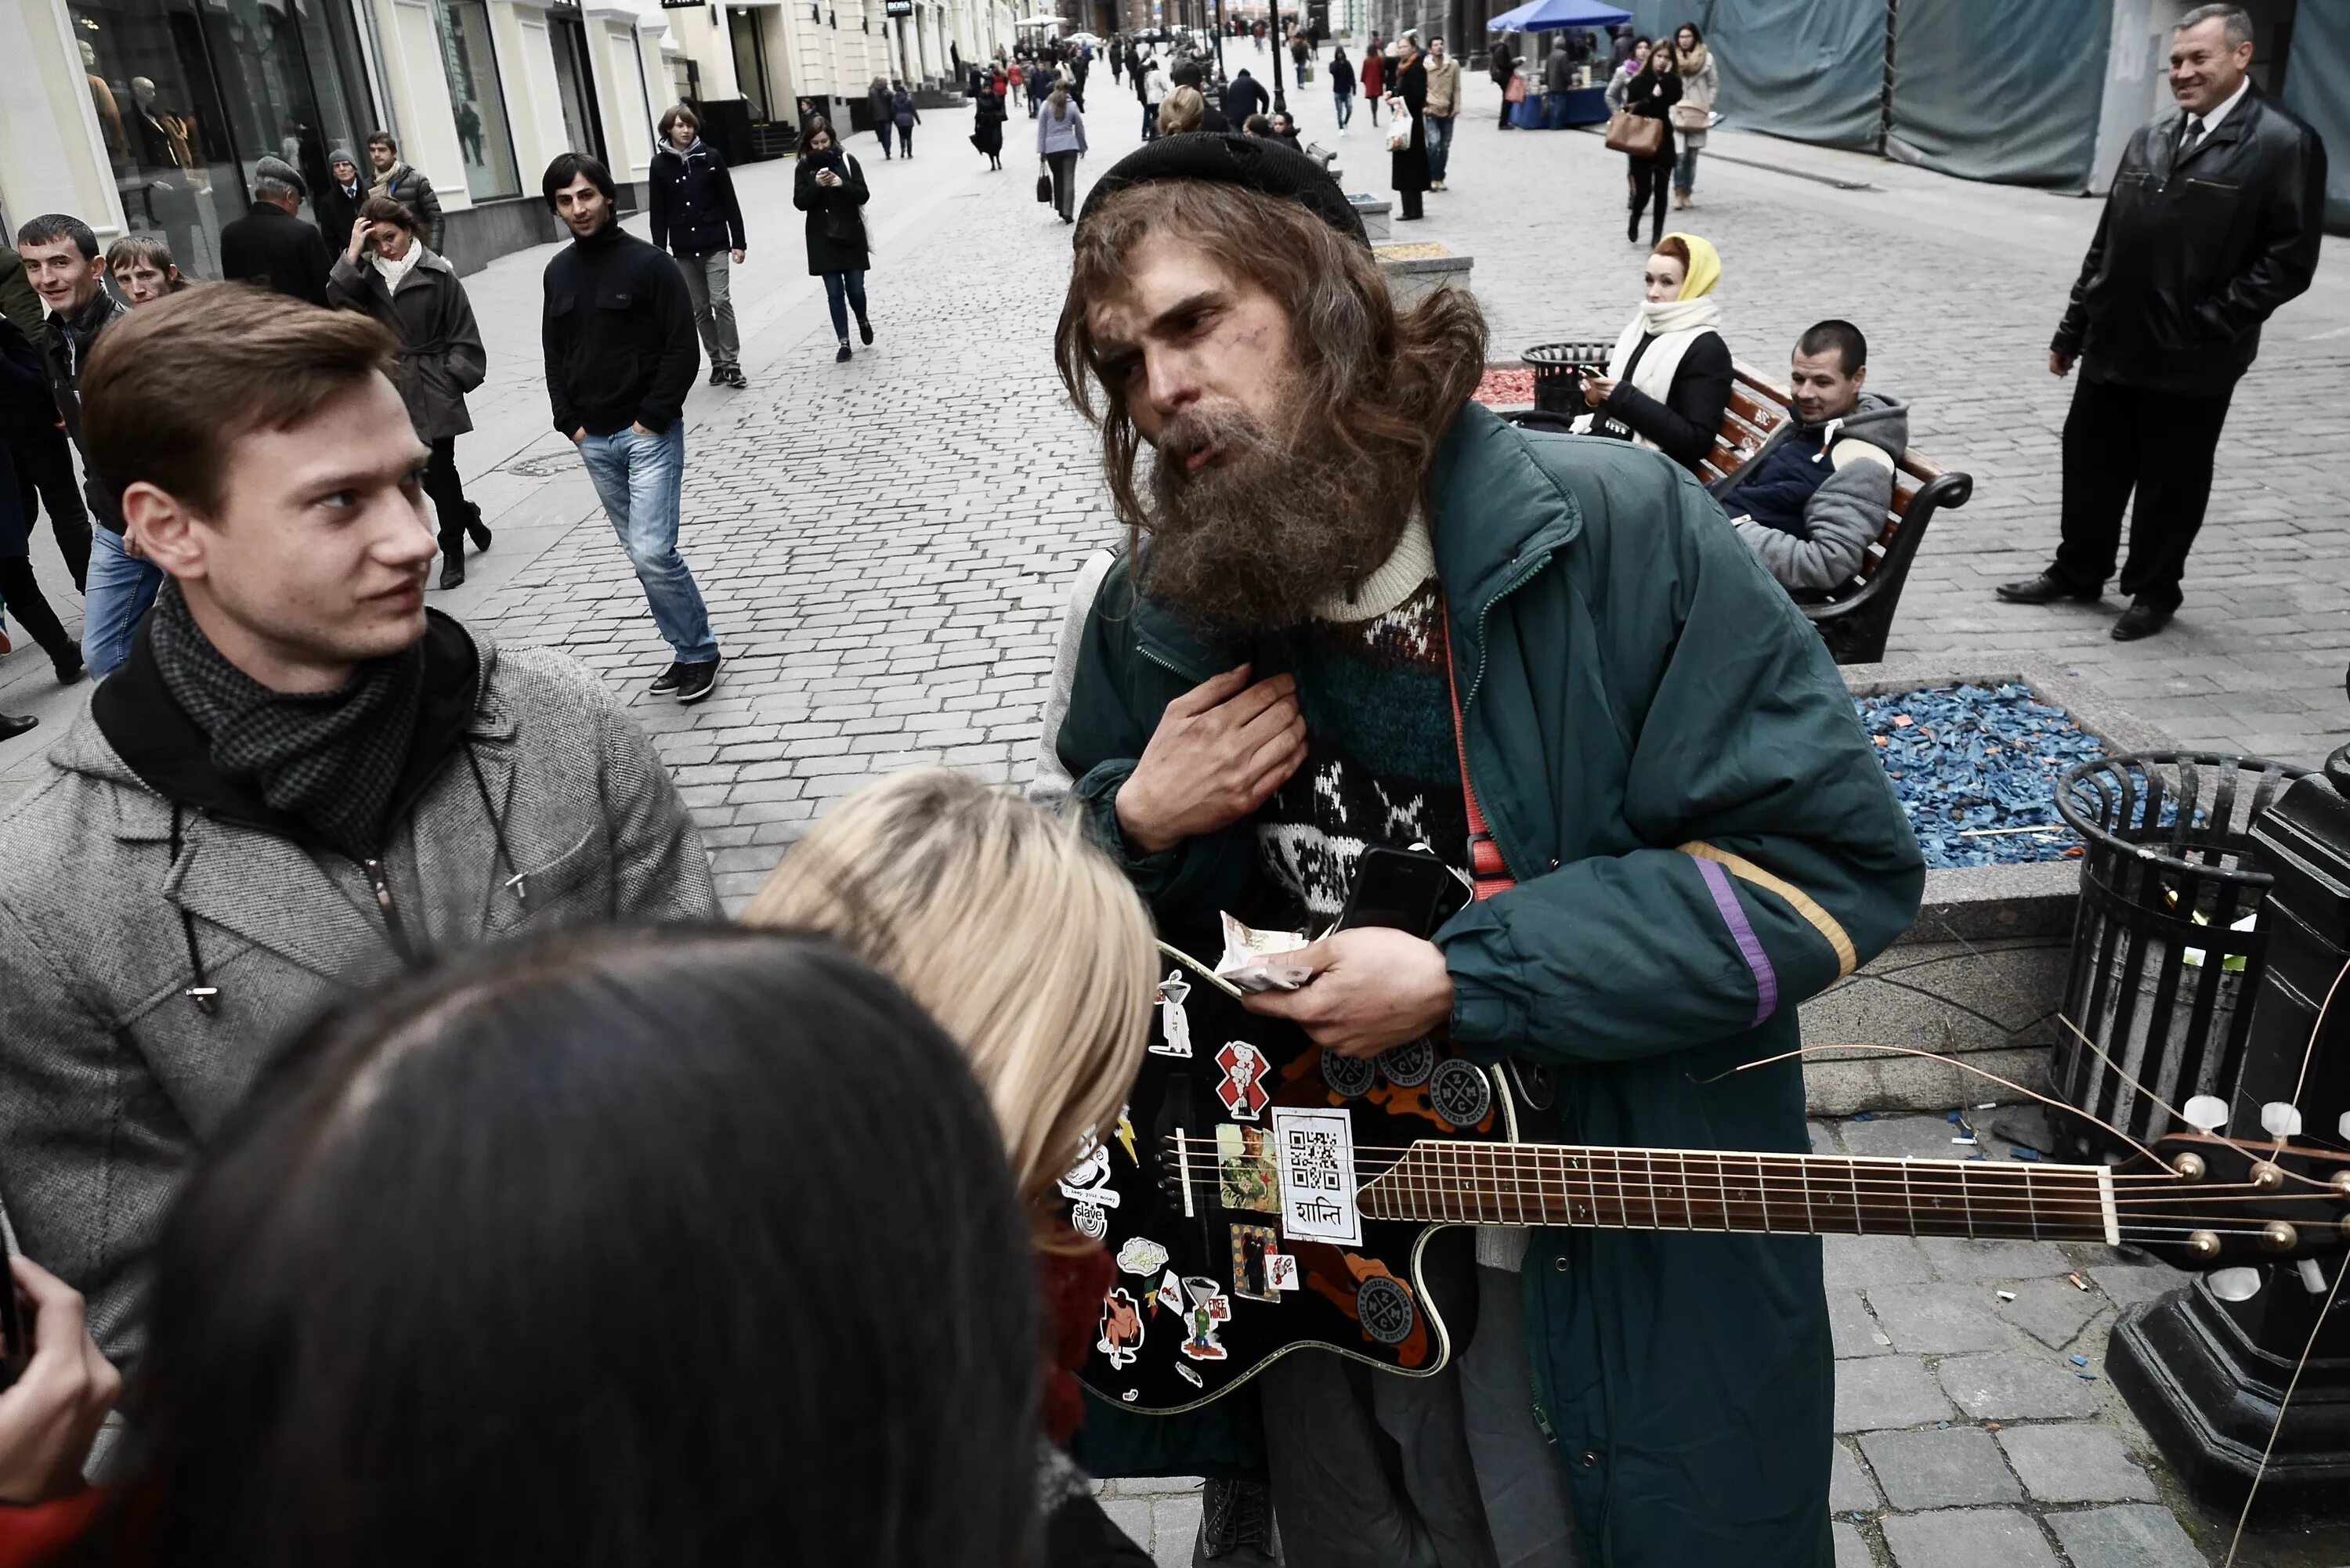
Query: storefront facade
[{"x": 152, "y": 115}]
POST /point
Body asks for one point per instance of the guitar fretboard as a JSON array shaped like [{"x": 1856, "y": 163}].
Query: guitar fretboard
[{"x": 1438, "y": 1182}]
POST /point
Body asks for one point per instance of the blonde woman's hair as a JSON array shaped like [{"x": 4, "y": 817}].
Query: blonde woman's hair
[
  {"x": 1025, "y": 942},
  {"x": 1181, "y": 110}
]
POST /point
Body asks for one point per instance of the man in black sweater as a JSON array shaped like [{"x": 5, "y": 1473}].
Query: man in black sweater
[{"x": 620, "y": 356}]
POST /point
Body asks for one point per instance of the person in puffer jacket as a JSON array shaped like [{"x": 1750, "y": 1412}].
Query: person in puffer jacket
[{"x": 1811, "y": 500}]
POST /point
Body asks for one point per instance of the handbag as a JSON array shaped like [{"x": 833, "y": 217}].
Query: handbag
[
  {"x": 1044, "y": 185},
  {"x": 1640, "y": 135},
  {"x": 1400, "y": 134},
  {"x": 1691, "y": 117},
  {"x": 1516, "y": 91}
]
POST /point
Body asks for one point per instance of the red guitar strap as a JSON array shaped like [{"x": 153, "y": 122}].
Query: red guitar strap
[{"x": 1488, "y": 873}]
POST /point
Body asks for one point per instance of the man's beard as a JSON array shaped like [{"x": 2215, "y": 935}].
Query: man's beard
[{"x": 1263, "y": 536}]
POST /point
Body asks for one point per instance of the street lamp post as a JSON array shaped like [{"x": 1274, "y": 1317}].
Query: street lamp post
[{"x": 1280, "y": 101}]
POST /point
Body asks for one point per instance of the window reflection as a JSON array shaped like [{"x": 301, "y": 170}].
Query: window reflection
[{"x": 469, "y": 60}]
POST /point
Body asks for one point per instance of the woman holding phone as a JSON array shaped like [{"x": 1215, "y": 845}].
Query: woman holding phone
[
  {"x": 829, "y": 188},
  {"x": 1669, "y": 380}
]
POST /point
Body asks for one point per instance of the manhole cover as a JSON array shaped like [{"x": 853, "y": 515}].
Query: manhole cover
[{"x": 546, "y": 467}]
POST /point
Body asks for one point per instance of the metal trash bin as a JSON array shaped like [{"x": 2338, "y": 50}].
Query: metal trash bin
[
  {"x": 1558, "y": 373},
  {"x": 2165, "y": 957}
]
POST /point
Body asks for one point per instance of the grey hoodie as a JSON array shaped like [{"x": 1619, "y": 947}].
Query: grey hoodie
[{"x": 1846, "y": 514}]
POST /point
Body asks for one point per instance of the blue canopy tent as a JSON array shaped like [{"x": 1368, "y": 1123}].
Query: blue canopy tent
[
  {"x": 1584, "y": 106},
  {"x": 1544, "y": 16}
]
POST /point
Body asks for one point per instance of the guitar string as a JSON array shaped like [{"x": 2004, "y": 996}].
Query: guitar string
[{"x": 2269, "y": 1447}]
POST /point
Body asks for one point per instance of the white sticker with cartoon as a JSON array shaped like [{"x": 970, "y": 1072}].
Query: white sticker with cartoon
[
  {"x": 1174, "y": 1023},
  {"x": 1206, "y": 1310},
  {"x": 1122, "y": 1329},
  {"x": 1281, "y": 1270},
  {"x": 1141, "y": 1255}
]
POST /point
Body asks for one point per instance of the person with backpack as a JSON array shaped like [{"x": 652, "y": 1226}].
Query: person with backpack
[{"x": 905, "y": 116}]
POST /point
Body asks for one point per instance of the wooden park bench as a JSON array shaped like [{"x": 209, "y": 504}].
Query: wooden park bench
[{"x": 1854, "y": 620}]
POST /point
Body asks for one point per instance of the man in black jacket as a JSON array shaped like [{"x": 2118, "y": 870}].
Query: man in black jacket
[
  {"x": 2212, "y": 223},
  {"x": 1244, "y": 97},
  {"x": 407, "y": 186},
  {"x": 620, "y": 356},
  {"x": 60, "y": 256},
  {"x": 695, "y": 214},
  {"x": 271, "y": 245}
]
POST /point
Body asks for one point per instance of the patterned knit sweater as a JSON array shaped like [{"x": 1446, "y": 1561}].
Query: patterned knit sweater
[{"x": 1381, "y": 766}]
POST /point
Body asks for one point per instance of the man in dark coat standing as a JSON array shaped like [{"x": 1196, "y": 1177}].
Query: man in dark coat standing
[
  {"x": 1244, "y": 97},
  {"x": 338, "y": 202},
  {"x": 271, "y": 245},
  {"x": 2212, "y": 223}
]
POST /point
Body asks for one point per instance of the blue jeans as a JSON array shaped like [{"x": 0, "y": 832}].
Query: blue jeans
[
  {"x": 637, "y": 477},
  {"x": 121, "y": 587},
  {"x": 841, "y": 290},
  {"x": 1685, "y": 170},
  {"x": 1439, "y": 142},
  {"x": 1345, "y": 103}
]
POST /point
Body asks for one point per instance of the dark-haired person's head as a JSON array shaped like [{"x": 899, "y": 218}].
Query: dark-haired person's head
[
  {"x": 62, "y": 261},
  {"x": 391, "y": 224},
  {"x": 143, "y": 269},
  {"x": 1234, "y": 327},
  {"x": 1830, "y": 361},
  {"x": 644, "y": 1250},
  {"x": 266, "y": 462},
  {"x": 680, "y": 125},
  {"x": 382, "y": 152},
  {"x": 579, "y": 191},
  {"x": 1256, "y": 125}
]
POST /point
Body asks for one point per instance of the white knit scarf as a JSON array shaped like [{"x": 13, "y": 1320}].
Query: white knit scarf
[
  {"x": 393, "y": 271},
  {"x": 1676, "y": 324}
]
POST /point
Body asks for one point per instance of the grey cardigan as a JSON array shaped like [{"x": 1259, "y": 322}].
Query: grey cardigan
[{"x": 111, "y": 1079}]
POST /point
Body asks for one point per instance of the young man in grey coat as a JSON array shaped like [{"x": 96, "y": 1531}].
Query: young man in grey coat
[
  {"x": 301, "y": 781},
  {"x": 1809, "y": 503}
]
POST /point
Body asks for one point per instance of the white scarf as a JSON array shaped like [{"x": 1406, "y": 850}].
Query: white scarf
[
  {"x": 1676, "y": 324},
  {"x": 393, "y": 271}
]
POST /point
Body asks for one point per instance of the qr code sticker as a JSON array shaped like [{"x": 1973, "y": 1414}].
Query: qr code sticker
[{"x": 1314, "y": 1159}]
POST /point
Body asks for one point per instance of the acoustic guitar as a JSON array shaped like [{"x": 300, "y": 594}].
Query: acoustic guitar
[{"x": 1262, "y": 1196}]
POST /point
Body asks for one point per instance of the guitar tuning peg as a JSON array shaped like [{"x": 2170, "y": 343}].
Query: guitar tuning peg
[
  {"x": 2312, "y": 1278},
  {"x": 2206, "y": 1113},
  {"x": 2234, "y": 1284},
  {"x": 2280, "y": 1120},
  {"x": 2343, "y": 1126}
]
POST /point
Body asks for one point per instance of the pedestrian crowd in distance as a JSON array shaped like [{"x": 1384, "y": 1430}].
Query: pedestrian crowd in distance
[{"x": 620, "y": 334}]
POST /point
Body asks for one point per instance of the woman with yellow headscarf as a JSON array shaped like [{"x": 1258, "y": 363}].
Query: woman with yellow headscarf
[{"x": 1669, "y": 378}]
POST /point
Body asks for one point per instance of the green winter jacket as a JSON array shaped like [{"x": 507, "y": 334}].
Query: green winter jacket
[{"x": 1702, "y": 837}]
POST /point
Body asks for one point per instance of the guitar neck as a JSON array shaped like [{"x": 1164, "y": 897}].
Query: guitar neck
[{"x": 1460, "y": 1183}]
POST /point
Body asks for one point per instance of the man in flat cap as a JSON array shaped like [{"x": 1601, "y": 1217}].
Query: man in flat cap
[
  {"x": 1359, "y": 611},
  {"x": 272, "y": 245}
]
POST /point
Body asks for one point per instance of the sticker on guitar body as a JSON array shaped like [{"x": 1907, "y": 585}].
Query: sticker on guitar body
[
  {"x": 1242, "y": 1089},
  {"x": 1315, "y": 1147},
  {"x": 1174, "y": 1023}
]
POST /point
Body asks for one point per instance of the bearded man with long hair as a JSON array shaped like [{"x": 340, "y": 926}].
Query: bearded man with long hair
[{"x": 1351, "y": 595}]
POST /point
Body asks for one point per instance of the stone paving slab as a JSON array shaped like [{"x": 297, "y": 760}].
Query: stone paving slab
[
  {"x": 1887, "y": 1391},
  {"x": 1938, "y": 1319},
  {"x": 2015, "y": 1386},
  {"x": 1849, "y": 1489},
  {"x": 1940, "y": 1468},
  {"x": 1852, "y": 1330},
  {"x": 1959, "y": 1258},
  {"x": 1967, "y": 1538},
  {"x": 2076, "y": 1461},
  {"x": 1851, "y": 1551},
  {"x": 2052, "y": 1311},
  {"x": 1867, "y": 1262},
  {"x": 2138, "y": 1536}
]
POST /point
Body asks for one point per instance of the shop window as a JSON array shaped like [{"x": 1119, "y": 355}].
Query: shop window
[
  {"x": 191, "y": 97},
  {"x": 478, "y": 103}
]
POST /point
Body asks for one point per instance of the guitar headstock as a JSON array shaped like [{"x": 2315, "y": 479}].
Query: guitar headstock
[{"x": 2226, "y": 1204}]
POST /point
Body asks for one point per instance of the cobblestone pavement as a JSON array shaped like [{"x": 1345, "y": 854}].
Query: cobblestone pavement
[{"x": 883, "y": 545}]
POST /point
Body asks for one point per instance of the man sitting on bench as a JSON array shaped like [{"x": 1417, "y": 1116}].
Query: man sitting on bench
[{"x": 1810, "y": 503}]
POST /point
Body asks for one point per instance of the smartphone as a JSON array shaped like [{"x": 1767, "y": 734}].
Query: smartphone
[{"x": 1403, "y": 890}]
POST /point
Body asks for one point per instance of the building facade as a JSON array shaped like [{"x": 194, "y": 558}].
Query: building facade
[{"x": 152, "y": 115}]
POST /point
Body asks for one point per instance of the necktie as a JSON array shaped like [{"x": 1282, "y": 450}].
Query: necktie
[{"x": 2191, "y": 132}]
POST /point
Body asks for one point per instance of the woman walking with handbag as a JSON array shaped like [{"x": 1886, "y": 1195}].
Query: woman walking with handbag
[
  {"x": 1648, "y": 101},
  {"x": 1060, "y": 142},
  {"x": 1408, "y": 140},
  {"x": 987, "y": 128},
  {"x": 1694, "y": 114},
  {"x": 830, "y": 189}
]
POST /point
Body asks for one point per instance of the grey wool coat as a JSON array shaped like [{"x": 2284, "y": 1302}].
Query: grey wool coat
[
  {"x": 441, "y": 353},
  {"x": 112, "y": 1078}
]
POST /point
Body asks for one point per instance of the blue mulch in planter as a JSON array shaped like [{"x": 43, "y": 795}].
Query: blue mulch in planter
[{"x": 1972, "y": 757}]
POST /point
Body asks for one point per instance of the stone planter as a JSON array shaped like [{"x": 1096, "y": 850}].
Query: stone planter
[
  {"x": 1416, "y": 271},
  {"x": 1980, "y": 976}
]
